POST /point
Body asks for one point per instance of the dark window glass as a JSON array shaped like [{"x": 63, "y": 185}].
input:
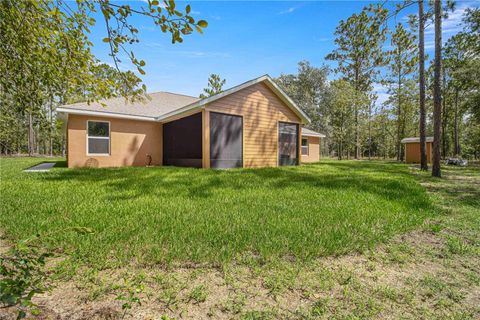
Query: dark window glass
[
  {"x": 182, "y": 142},
  {"x": 304, "y": 147},
  {"x": 226, "y": 134},
  {"x": 98, "y": 129},
  {"x": 98, "y": 146},
  {"x": 287, "y": 143}
]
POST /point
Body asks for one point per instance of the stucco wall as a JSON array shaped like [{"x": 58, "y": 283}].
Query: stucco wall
[
  {"x": 130, "y": 142},
  {"x": 313, "y": 150},
  {"x": 261, "y": 110}
]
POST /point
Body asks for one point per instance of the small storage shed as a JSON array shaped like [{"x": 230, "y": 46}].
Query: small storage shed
[
  {"x": 412, "y": 149},
  {"x": 311, "y": 145}
]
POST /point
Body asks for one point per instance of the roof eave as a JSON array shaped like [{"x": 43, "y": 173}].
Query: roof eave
[
  {"x": 268, "y": 80},
  {"x": 319, "y": 135},
  {"x": 104, "y": 114}
]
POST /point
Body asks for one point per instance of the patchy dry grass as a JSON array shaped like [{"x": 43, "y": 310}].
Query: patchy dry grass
[{"x": 432, "y": 272}]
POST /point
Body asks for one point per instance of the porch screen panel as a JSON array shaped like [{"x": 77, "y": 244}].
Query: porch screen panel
[
  {"x": 226, "y": 139},
  {"x": 287, "y": 144},
  {"x": 182, "y": 142}
]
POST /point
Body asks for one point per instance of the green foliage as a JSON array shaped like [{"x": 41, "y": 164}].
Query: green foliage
[
  {"x": 342, "y": 119},
  {"x": 358, "y": 55},
  {"x": 22, "y": 276},
  {"x": 47, "y": 61},
  {"x": 359, "y": 51},
  {"x": 215, "y": 85},
  {"x": 130, "y": 294},
  {"x": 199, "y": 294},
  {"x": 402, "y": 87},
  {"x": 310, "y": 91}
]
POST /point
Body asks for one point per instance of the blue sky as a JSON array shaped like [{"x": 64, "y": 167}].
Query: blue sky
[{"x": 246, "y": 39}]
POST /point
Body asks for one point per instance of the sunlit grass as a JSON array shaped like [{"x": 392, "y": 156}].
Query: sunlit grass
[{"x": 165, "y": 215}]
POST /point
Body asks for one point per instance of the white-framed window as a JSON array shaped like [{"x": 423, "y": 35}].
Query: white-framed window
[
  {"x": 304, "y": 147},
  {"x": 98, "y": 138}
]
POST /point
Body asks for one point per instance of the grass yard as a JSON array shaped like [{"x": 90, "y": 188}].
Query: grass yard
[
  {"x": 342, "y": 240},
  {"x": 184, "y": 216}
]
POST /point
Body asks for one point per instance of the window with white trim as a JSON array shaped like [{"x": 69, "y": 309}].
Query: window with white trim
[
  {"x": 304, "y": 147},
  {"x": 98, "y": 138}
]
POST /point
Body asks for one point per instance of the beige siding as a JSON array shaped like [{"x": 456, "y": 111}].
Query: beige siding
[
  {"x": 261, "y": 110},
  {"x": 130, "y": 143},
  {"x": 313, "y": 150},
  {"x": 412, "y": 152}
]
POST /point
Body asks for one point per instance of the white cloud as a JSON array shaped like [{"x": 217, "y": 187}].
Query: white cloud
[
  {"x": 451, "y": 25},
  {"x": 202, "y": 54},
  {"x": 382, "y": 93},
  {"x": 321, "y": 39},
  {"x": 160, "y": 4},
  {"x": 289, "y": 10}
]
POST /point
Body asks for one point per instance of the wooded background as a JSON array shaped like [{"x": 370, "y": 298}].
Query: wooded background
[{"x": 46, "y": 62}]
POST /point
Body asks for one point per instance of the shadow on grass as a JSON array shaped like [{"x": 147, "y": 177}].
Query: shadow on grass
[
  {"x": 391, "y": 181},
  {"x": 458, "y": 184},
  {"x": 60, "y": 164}
]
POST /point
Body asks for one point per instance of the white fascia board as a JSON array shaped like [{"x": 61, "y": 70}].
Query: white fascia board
[
  {"x": 104, "y": 114},
  {"x": 416, "y": 140},
  {"x": 313, "y": 135}
]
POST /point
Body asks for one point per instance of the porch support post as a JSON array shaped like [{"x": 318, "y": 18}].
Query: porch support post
[
  {"x": 205, "y": 139},
  {"x": 299, "y": 144}
]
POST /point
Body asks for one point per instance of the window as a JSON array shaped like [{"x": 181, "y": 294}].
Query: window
[
  {"x": 304, "y": 147},
  {"x": 98, "y": 138}
]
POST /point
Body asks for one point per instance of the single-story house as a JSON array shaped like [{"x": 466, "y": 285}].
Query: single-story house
[
  {"x": 254, "y": 124},
  {"x": 311, "y": 145},
  {"x": 412, "y": 149}
]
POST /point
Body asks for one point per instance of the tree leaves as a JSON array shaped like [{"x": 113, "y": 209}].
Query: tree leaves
[
  {"x": 215, "y": 85},
  {"x": 202, "y": 24}
]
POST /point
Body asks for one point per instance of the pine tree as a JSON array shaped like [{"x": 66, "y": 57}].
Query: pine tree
[
  {"x": 359, "y": 53},
  {"x": 215, "y": 85},
  {"x": 421, "y": 83},
  {"x": 402, "y": 62},
  {"x": 437, "y": 95}
]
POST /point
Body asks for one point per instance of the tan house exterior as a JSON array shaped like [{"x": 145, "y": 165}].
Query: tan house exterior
[
  {"x": 412, "y": 149},
  {"x": 310, "y": 148},
  {"x": 254, "y": 124}
]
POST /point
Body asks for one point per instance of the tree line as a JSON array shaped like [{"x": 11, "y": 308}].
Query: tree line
[
  {"x": 46, "y": 61},
  {"x": 345, "y": 109}
]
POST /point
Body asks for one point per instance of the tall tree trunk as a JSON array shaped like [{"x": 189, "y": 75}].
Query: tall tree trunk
[
  {"x": 357, "y": 133},
  {"x": 369, "y": 131},
  {"x": 445, "y": 148},
  {"x": 51, "y": 127},
  {"x": 455, "y": 126},
  {"x": 444, "y": 123},
  {"x": 399, "y": 121},
  {"x": 30, "y": 135},
  {"x": 437, "y": 95},
  {"x": 421, "y": 67}
]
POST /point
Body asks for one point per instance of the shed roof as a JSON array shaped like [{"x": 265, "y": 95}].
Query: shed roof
[
  {"x": 415, "y": 140},
  {"x": 310, "y": 133},
  {"x": 163, "y": 106}
]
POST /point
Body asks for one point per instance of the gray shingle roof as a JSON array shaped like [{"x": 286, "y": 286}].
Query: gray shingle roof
[
  {"x": 158, "y": 103},
  {"x": 311, "y": 133}
]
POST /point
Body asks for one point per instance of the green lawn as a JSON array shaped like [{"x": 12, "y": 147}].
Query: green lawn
[{"x": 177, "y": 215}]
